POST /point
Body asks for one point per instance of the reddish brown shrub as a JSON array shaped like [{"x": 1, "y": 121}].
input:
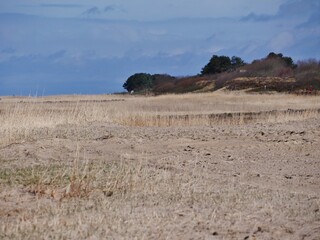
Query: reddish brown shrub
[{"x": 308, "y": 74}]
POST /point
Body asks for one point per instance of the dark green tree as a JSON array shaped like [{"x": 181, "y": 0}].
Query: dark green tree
[
  {"x": 217, "y": 64},
  {"x": 274, "y": 55},
  {"x": 138, "y": 82},
  {"x": 237, "y": 62},
  {"x": 287, "y": 60}
]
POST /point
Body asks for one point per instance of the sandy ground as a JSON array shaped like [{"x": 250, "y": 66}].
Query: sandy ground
[{"x": 253, "y": 181}]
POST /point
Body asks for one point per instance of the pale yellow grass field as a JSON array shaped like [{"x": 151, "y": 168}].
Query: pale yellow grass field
[
  {"x": 160, "y": 167},
  {"x": 21, "y": 117}
]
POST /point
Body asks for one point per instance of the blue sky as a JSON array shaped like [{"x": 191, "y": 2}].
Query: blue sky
[{"x": 92, "y": 47}]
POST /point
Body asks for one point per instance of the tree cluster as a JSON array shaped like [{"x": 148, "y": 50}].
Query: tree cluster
[
  {"x": 219, "y": 64},
  {"x": 139, "y": 82},
  {"x": 273, "y": 64},
  {"x": 287, "y": 60}
]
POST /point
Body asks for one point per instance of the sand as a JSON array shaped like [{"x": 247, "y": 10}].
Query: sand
[{"x": 109, "y": 180}]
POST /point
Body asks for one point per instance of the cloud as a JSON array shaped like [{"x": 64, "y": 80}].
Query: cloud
[
  {"x": 257, "y": 17},
  {"x": 25, "y": 74},
  {"x": 57, "y": 55},
  {"x": 61, "y": 5},
  {"x": 110, "y": 8},
  {"x": 94, "y": 11},
  {"x": 290, "y": 9},
  {"x": 299, "y": 8},
  {"x": 313, "y": 21},
  {"x": 281, "y": 41},
  {"x": 8, "y": 50},
  {"x": 312, "y": 51}
]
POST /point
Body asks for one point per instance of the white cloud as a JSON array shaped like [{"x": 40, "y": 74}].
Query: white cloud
[
  {"x": 57, "y": 5},
  {"x": 145, "y": 9},
  {"x": 92, "y": 12},
  {"x": 281, "y": 41}
]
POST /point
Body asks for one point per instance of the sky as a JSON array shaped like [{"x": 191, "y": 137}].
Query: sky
[{"x": 91, "y": 47}]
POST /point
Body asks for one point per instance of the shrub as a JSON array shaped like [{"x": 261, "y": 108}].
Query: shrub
[
  {"x": 138, "y": 82},
  {"x": 219, "y": 64},
  {"x": 307, "y": 74},
  {"x": 163, "y": 83},
  {"x": 268, "y": 67}
]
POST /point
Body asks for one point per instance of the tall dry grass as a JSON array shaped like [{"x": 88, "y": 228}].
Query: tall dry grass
[
  {"x": 117, "y": 198},
  {"x": 22, "y": 118},
  {"x": 216, "y": 108}
]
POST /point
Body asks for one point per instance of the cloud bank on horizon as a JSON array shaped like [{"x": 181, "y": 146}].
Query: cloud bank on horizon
[{"x": 66, "y": 47}]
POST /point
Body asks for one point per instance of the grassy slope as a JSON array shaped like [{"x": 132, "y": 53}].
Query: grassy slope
[{"x": 263, "y": 75}]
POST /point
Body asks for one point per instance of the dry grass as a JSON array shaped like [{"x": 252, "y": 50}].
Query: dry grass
[
  {"x": 22, "y": 118},
  {"x": 138, "y": 201},
  {"x": 149, "y": 197},
  {"x": 148, "y": 203},
  {"x": 207, "y": 109}
]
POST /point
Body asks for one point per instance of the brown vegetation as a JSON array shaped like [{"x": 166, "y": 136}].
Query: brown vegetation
[
  {"x": 269, "y": 74},
  {"x": 167, "y": 84},
  {"x": 222, "y": 165}
]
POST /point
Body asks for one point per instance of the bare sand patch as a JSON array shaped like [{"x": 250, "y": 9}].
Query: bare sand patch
[{"x": 119, "y": 167}]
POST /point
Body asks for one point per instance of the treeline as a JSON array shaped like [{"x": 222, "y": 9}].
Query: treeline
[{"x": 269, "y": 73}]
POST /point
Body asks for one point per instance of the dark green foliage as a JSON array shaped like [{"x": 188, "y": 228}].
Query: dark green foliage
[
  {"x": 274, "y": 55},
  {"x": 219, "y": 64},
  {"x": 138, "y": 82},
  {"x": 287, "y": 60},
  {"x": 237, "y": 62}
]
